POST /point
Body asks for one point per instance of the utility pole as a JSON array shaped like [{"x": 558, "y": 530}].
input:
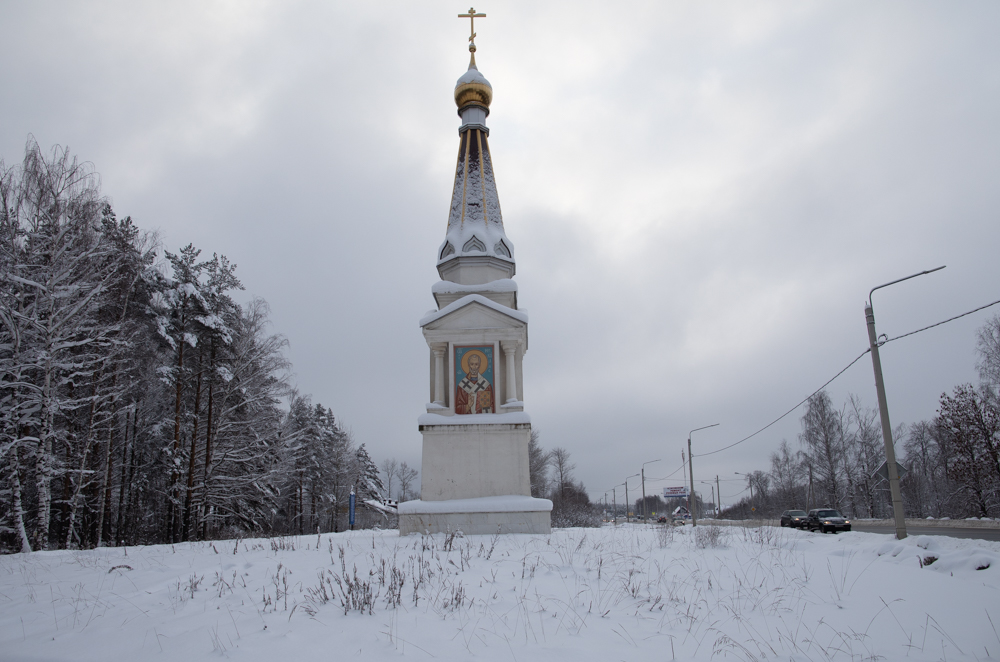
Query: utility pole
[
  {"x": 809, "y": 494},
  {"x": 694, "y": 519},
  {"x": 715, "y": 504},
  {"x": 627, "y": 502},
  {"x": 750, "y": 484},
  {"x": 883, "y": 407},
  {"x": 718, "y": 506},
  {"x": 642, "y": 478},
  {"x": 642, "y": 474},
  {"x": 684, "y": 464},
  {"x": 614, "y": 507},
  {"x": 890, "y": 450}
]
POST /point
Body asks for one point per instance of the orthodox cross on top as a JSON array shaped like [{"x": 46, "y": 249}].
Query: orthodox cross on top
[{"x": 472, "y": 16}]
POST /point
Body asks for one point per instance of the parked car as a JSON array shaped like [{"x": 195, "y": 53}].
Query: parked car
[
  {"x": 794, "y": 518},
  {"x": 827, "y": 519}
]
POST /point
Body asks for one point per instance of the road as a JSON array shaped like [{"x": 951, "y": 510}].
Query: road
[{"x": 954, "y": 532}]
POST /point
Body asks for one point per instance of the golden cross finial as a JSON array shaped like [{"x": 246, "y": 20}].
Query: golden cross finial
[{"x": 472, "y": 16}]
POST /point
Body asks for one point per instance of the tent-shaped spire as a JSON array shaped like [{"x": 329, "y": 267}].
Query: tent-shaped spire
[{"x": 475, "y": 250}]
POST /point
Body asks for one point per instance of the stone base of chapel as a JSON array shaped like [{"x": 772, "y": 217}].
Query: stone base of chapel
[
  {"x": 487, "y": 518},
  {"x": 466, "y": 458},
  {"x": 475, "y": 478}
]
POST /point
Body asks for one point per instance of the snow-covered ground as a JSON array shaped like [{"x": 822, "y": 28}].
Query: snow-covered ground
[{"x": 625, "y": 593}]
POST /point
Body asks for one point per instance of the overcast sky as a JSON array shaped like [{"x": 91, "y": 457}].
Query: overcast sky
[{"x": 701, "y": 194}]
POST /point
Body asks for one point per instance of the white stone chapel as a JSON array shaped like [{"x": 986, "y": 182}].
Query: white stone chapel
[{"x": 474, "y": 469}]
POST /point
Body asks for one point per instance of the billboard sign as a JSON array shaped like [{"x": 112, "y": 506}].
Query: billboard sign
[{"x": 675, "y": 492}]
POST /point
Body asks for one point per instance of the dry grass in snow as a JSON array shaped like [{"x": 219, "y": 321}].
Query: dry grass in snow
[{"x": 624, "y": 593}]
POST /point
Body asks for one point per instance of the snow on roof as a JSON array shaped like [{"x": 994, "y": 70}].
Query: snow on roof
[
  {"x": 473, "y": 298},
  {"x": 511, "y": 503},
  {"x": 473, "y": 76},
  {"x": 448, "y": 287}
]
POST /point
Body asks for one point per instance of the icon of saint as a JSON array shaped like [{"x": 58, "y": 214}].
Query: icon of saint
[{"x": 474, "y": 394}]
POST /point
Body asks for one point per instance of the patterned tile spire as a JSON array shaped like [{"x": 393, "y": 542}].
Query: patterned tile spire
[{"x": 475, "y": 223}]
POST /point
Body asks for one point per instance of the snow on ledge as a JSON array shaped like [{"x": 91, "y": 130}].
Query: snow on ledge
[
  {"x": 510, "y": 503},
  {"x": 511, "y": 418},
  {"x": 473, "y": 298},
  {"x": 448, "y": 287}
]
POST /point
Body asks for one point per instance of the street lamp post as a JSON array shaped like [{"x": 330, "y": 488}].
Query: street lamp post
[
  {"x": 626, "y": 496},
  {"x": 694, "y": 519},
  {"x": 642, "y": 474},
  {"x": 883, "y": 407}
]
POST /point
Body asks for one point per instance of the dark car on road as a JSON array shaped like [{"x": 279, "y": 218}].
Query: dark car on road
[
  {"x": 794, "y": 518},
  {"x": 826, "y": 520}
]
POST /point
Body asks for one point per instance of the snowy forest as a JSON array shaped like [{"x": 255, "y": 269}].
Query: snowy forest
[
  {"x": 952, "y": 462},
  {"x": 139, "y": 402}
]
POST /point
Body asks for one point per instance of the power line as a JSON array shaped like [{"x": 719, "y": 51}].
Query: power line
[
  {"x": 806, "y": 399},
  {"x": 951, "y": 319},
  {"x": 829, "y": 381},
  {"x": 669, "y": 474},
  {"x": 696, "y": 478}
]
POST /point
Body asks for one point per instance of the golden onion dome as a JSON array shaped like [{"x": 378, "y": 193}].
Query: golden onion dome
[{"x": 473, "y": 89}]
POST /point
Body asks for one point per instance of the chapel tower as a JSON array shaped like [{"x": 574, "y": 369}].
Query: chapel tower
[{"x": 475, "y": 476}]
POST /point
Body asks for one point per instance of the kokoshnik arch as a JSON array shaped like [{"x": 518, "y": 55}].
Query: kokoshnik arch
[{"x": 475, "y": 476}]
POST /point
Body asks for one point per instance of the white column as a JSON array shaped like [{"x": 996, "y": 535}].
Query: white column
[
  {"x": 510, "y": 352},
  {"x": 439, "y": 349}
]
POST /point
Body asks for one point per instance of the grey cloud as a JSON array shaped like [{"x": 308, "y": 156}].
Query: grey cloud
[{"x": 701, "y": 196}]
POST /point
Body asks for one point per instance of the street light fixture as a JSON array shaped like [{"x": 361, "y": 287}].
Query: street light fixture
[
  {"x": 694, "y": 519},
  {"x": 883, "y": 407},
  {"x": 642, "y": 474},
  {"x": 626, "y": 496}
]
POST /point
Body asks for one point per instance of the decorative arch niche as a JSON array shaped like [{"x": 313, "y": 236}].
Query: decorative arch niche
[{"x": 474, "y": 244}]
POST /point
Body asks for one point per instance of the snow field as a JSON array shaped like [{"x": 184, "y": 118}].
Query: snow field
[{"x": 630, "y": 592}]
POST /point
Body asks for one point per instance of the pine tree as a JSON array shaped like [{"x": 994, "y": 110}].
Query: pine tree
[{"x": 367, "y": 483}]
